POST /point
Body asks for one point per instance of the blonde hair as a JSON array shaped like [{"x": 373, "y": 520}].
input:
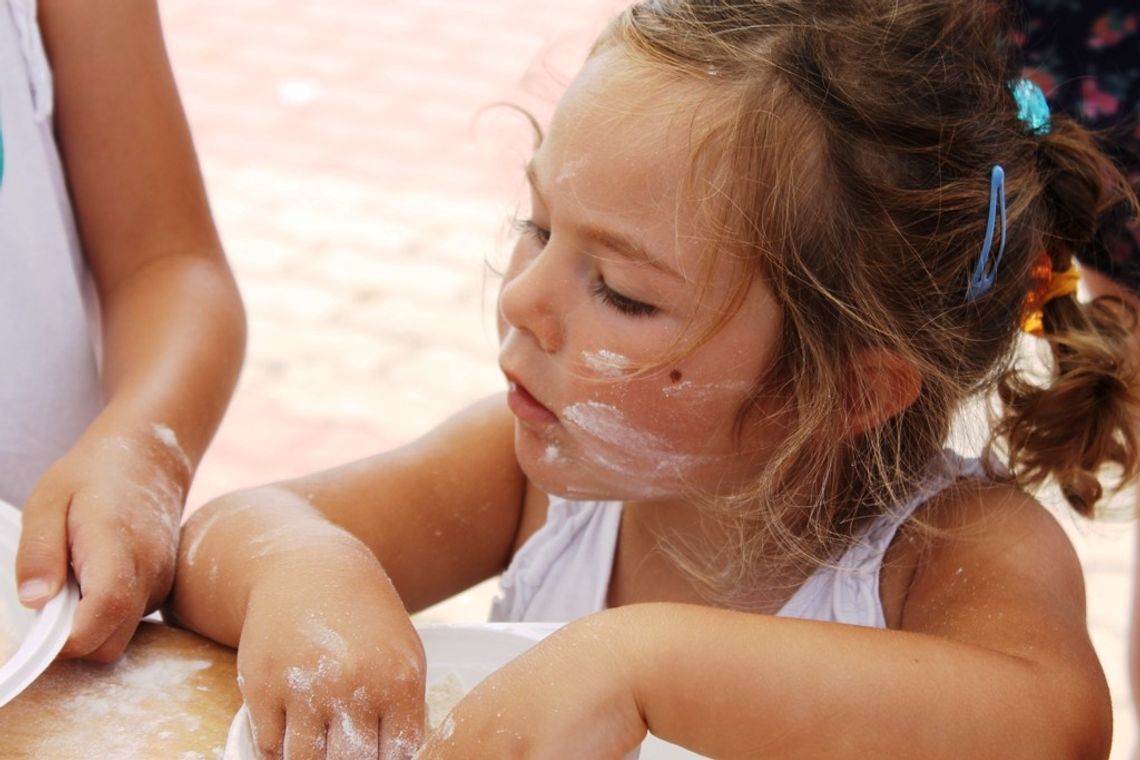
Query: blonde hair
[{"x": 852, "y": 157}]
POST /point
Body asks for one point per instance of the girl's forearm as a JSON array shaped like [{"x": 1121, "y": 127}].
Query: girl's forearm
[
  {"x": 730, "y": 684},
  {"x": 270, "y": 544},
  {"x": 174, "y": 338}
]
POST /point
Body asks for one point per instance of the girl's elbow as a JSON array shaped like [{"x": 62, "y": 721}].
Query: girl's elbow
[
  {"x": 1084, "y": 715},
  {"x": 1095, "y": 740}
]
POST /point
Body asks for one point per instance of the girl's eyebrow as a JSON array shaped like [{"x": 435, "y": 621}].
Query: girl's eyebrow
[{"x": 624, "y": 246}]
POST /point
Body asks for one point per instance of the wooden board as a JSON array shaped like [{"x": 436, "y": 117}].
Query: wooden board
[{"x": 172, "y": 694}]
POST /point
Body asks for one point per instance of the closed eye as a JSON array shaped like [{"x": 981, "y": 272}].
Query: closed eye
[
  {"x": 528, "y": 229},
  {"x": 622, "y": 303}
]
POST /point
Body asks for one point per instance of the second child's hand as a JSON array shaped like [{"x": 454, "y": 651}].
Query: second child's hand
[{"x": 109, "y": 509}]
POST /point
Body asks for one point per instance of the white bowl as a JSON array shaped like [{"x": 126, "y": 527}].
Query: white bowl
[{"x": 40, "y": 633}]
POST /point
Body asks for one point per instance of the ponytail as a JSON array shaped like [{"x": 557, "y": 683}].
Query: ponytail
[{"x": 1085, "y": 417}]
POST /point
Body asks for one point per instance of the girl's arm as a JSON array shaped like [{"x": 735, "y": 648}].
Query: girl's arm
[
  {"x": 314, "y": 577},
  {"x": 439, "y": 515},
  {"x": 173, "y": 327},
  {"x": 993, "y": 660}
]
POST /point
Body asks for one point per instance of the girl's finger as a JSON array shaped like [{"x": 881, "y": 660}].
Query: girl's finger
[
  {"x": 402, "y": 731},
  {"x": 305, "y": 734},
  {"x": 266, "y": 725},
  {"x": 353, "y": 736}
]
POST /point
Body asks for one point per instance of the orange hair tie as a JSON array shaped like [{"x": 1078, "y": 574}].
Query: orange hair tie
[{"x": 1047, "y": 285}]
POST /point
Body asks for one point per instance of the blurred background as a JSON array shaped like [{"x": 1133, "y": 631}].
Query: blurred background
[{"x": 363, "y": 181}]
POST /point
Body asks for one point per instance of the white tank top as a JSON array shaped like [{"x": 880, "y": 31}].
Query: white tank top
[
  {"x": 562, "y": 572},
  {"x": 49, "y": 381}
]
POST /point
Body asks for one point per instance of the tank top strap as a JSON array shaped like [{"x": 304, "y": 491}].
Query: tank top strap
[
  {"x": 848, "y": 590},
  {"x": 562, "y": 572},
  {"x": 23, "y": 14}
]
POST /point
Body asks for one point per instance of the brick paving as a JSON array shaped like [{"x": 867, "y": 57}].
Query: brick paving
[{"x": 362, "y": 190}]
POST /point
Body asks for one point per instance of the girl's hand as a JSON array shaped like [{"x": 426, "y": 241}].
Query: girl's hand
[
  {"x": 571, "y": 695},
  {"x": 109, "y": 510},
  {"x": 326, "y": 668}
]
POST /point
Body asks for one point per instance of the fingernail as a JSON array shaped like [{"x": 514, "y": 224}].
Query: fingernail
[{"x": 34, "y": 590}]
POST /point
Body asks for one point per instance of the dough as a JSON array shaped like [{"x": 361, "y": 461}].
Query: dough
[{"x": 441, "y": 696}]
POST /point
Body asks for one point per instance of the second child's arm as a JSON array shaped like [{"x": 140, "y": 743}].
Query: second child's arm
[
  {"x": 173, "y": 330},
  {"x": 312, "y": 580}
]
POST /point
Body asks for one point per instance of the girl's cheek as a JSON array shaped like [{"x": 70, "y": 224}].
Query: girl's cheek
[{"x": 604, "y": 363}]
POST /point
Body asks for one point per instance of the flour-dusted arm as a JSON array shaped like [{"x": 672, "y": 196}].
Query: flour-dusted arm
[
  {"x": 312, "y": 580},
  {"x": 992, "y": 660},
  {"x": 172, "y": 324}
]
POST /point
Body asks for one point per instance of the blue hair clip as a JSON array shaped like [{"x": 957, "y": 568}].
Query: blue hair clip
[
  {"x": 983, "y": 277},
  {"x": 1032, "y": 108}
]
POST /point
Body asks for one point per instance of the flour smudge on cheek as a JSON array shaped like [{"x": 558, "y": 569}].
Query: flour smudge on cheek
[
  {"x": 613, "y": 444},
  {"x": 606, "y": 363}
]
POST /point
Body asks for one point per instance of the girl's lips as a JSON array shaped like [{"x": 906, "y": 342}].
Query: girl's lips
[{"x": 526, "y": 407}]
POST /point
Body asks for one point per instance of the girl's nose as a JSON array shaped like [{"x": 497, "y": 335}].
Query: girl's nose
[{"x": 531, "y": 294}]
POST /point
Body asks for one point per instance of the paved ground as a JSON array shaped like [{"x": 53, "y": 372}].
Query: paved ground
[{"x": 361, "y": 194}]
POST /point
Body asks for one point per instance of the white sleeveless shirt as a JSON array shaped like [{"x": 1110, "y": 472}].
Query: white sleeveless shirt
[
  {"x": 562, "y": 572},
  {"x": 49, "y": 382}
]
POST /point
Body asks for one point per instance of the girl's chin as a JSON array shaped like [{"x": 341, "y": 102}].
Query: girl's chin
[
  {"x": 556, "y": 470},
  {"x": 565, "y": 481},
  {"x": 549, "y": 470}
]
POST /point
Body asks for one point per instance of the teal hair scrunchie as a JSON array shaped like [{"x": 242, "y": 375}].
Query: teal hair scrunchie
[{"x": 1032, "y": 108}]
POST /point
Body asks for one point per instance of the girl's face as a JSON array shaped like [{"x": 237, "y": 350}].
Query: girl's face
[{"x": 607, "y": 277}]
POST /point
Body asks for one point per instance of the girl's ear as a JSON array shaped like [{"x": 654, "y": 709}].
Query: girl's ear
[{"x": 884, "y": 384}]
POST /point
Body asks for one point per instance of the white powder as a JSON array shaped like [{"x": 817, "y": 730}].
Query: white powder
[
  {"x": 167, "y": 438},
  {"x": 441, "y": 696},
  {"x": 292, "y": 537},
  {"x": 160, "y": 498},
  {"x": 125, "y": 710},
  {"x": 354, "y": 739},
  {"x": 198, "y": 535},
  {"x": 608, "y": 424},
  {"x": 615, "y": 445},
  {"x": 571, "y": 168},
  {"x": 704, "y": 391},
  {"x": 606, "y": 363},
  {"x": 302, "y": 680},
  {"x": 625, "y": 446},
  {"x": 324, "y": 637}
]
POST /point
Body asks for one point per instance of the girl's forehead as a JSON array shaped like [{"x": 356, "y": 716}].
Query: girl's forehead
[{"x": 619, "y": 146}]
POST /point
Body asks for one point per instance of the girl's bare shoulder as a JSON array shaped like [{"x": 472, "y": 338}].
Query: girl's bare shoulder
[{"x": 981, "y": 552}]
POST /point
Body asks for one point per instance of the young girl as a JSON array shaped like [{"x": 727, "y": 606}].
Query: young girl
[{"x": 773, "y": 248}]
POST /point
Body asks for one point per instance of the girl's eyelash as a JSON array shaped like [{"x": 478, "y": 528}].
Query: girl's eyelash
[
  {"x": 609, "y": 296},
  {"x": 528, "y": 228},
  {"x": 622, "y": 303}
]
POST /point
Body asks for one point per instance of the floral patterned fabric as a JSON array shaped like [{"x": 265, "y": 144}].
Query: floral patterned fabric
[{"x": 1086, "y": 57}]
